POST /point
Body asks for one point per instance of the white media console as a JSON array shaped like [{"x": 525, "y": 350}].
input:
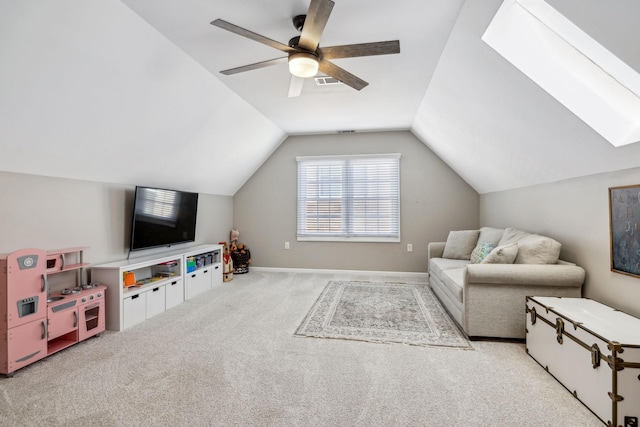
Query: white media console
[{"x": 141, "y": 288}]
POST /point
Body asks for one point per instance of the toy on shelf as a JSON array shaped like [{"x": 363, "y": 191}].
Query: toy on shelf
[{"x": 227, "y": 263}]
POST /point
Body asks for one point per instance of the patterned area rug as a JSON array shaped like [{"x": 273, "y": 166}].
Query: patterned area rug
[{"x": 406, "y": 313}]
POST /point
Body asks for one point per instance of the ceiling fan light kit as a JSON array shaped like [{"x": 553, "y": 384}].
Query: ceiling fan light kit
[
  {"x": 305, "y": 57},
  {"x": 303, "y": 64}
]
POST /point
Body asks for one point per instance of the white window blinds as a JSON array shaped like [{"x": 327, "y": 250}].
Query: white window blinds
[{"x": 349, "y": 198}]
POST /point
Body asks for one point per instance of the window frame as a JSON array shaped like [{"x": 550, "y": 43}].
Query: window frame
[{"x": 346, "y": 201}]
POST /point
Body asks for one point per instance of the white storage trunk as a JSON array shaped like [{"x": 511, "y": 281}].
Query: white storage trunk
[{"x": 591, "y": 349}]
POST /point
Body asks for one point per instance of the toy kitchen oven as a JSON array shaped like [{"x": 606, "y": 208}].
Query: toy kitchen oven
[
  {"x": 35, "y": 322},
  {"x": 80, "y": 308}
]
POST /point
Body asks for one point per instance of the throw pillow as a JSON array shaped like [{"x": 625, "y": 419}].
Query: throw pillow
[
  {"x": 536, "y": 249},
  {"x": 505, "y": 254},
  {"x": 491, "y": 235},
  {"x": 460, "y": 244},
  {"x": 481, "y": 251}
]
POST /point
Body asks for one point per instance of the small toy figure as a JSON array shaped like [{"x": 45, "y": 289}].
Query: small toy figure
[
  {"x": 227, "y": 263},
  {"x": 235, "y": 235}
]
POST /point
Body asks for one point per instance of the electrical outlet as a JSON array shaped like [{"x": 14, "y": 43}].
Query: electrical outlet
[
  {"x": 409, "y": 247},
  {"x": 630, "y": 421},
  {"x": 286, "y": 245}
]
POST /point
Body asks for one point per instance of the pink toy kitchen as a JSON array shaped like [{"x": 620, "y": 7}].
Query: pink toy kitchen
[{"x": 44, "y": 305}]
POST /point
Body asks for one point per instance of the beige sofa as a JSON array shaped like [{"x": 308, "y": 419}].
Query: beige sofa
[{"x": 482, "y": 277}]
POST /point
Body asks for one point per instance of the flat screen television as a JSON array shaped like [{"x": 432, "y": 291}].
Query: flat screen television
[{"x": 163, "y": 217}]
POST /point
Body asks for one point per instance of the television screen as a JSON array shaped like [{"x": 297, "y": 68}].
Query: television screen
[{"x": 163, "y": 218}]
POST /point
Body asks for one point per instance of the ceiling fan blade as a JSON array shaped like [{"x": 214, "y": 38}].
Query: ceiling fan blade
[
  {"x": 362, "y": 49},
  {"x": 255, "y": 66},
  {"x": 251, "y": 35},
  {"x": 295, "y": 87},
  {"x": 343, "y": 75},
  {"x": 314, "y": 23}
]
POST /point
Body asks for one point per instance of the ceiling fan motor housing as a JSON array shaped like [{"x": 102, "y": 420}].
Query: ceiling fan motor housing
[
  {"x": 298, "y": 22},
  {"x": 294, "y": 42}
]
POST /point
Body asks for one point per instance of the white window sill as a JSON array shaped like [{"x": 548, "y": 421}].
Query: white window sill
[{"x": 348, "y": 239}]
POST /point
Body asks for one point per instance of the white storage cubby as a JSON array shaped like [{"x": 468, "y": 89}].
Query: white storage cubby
[
  {"x": 134, "y": 310},
  {"x": 155, "y": 301},
  {"x": 197, "y": 283},
  {"x": 203, "y": 271},
  {"x": 174, "y": 293},
  {"x": 160, "y": 282}
]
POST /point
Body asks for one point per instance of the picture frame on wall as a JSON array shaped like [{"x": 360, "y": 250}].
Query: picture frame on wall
[{"x": 624, "y": 229}]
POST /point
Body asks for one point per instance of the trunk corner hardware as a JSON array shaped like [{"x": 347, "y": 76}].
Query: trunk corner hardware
[
  {"x": 559, "y": 329},
  {"x": 595, "y": 356}
]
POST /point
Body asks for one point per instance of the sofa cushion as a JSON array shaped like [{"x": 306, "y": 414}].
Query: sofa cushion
[
  {"x": 512, "y": 235},
  {"x": 453, "y": 279},
  {"x": 490, "y": 235},
  {"x": 505, "y": 254},
  {"x": 441, "y": 264},
  {"x": 481, "y": 251},
  {"x": 460, "y": 243},
  {"x": 536, "y": 249},
  {"x": 449, "y": 273}
]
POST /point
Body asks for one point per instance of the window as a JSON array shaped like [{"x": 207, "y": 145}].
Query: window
[{"x": 349, "y": 198}]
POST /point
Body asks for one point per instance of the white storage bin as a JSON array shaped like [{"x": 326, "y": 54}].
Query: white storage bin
[
  {"x": 155, "y": 301},
  {"x": 198, "y": 282},
  {"x": 174, "y": 293},
  {"x": 135, "y": 308}
]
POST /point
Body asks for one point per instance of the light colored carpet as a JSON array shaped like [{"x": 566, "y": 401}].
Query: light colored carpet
[
  {"x": 384, "y": 312},
  {"x": 230, "y": 358}
]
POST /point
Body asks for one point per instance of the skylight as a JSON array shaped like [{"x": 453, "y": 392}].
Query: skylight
[{"x": 571, "y": 66}]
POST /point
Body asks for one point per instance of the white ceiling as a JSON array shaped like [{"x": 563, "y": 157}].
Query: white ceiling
[
  {"x": 397, "y": 83},
  {"x": 497, "y": 128},
  {"x": 130, "y": 92}
]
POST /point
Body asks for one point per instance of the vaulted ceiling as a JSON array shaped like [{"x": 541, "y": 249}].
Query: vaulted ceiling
[{"x": 130, "y": 92}]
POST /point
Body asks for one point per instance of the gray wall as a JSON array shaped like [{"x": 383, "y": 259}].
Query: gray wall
[
  {"x": 576, "y": 213},
  {"x": 434, "y": 200},
  {"x": 55, "y": 213}
]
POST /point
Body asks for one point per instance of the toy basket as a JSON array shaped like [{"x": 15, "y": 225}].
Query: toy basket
[{"x": 241, "y": 261}]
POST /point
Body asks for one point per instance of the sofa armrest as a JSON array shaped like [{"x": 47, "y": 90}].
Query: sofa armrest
[
  {"x": 494, "y": 295},
  {"x": 435, "y": 249},
  {"x": 525, "y": 274}
]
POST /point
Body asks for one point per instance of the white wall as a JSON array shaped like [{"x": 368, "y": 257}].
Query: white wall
[
  {"x": 434, "y": 200},
  {"x": 55, "y": 213},
  {"x": 576, "y": 213}
]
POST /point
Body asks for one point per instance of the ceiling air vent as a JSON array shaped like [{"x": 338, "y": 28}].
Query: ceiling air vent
[
  {"x": 326, "y": 80},
  {"x": 347, "y": 131}
]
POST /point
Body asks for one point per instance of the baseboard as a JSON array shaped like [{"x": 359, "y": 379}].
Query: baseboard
[
  {"x": 499, "y": 339},
  {"x": 423, "y": 275}
]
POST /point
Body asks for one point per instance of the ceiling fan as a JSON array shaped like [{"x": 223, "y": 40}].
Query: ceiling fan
[{"x": 305, "y": 57}]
